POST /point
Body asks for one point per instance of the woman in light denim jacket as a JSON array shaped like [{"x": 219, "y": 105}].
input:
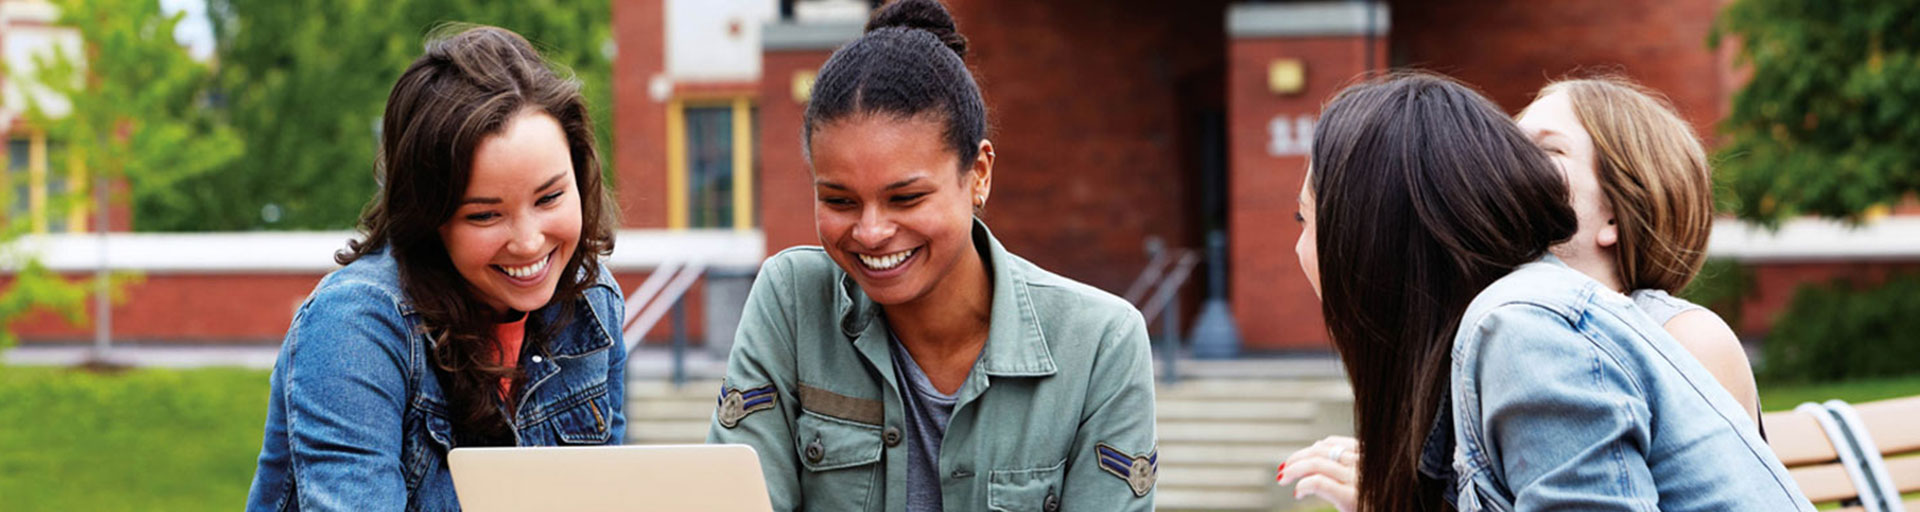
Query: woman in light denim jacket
[
  {"x": 1488, "y": 375},
  {"x": 474, "y": 313}
]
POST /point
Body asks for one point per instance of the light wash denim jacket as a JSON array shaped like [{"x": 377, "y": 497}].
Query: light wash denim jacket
[
  {"x": 357, "y": 421},
  {"x": 1567, "y": 397}
]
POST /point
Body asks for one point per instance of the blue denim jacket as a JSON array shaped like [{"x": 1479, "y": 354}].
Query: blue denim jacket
[
  {"x": 357, "y": 421},
  {"x": 1567, "y": 397}
]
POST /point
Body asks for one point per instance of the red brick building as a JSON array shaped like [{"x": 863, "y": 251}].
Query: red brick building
[
  {"x": 1121, "y": 120},
  {"x": 1116, "y": 122}
]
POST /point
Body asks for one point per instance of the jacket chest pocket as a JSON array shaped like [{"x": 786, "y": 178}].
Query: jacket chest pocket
[
  {"x": 1023, "y": 490},
  {"x": 583, "y": 419},
  {"x": 840, "y": 460}
]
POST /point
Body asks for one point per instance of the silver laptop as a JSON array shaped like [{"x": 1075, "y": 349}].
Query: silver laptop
[{"x": 723, "y": 478}]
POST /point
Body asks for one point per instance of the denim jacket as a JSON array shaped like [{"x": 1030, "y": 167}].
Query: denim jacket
[
  {"x": 1057, "y": 414},
  {"x": 1565, "y": 396},
  {"x": 357, "y": 421}
]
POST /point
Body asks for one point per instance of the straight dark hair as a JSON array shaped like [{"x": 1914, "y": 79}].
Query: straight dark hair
[
  {"x": 1425, "y": 193},
  {"x": 462, "y": 91}
]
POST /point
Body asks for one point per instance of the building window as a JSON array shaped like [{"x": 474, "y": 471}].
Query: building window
[
  {"x": 711, "y": 164},
  {"x": 710, "y": 167},
  {"x": 37, "y": 193}
]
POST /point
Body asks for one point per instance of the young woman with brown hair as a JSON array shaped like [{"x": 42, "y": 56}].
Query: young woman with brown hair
[{"x": 474, "y": 312}]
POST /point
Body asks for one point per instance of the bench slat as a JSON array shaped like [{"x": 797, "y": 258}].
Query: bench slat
[
  {"x": 1891, "y": 423},
  {"x": 1824, "y": 483},
  {"x": 1798, "y": 439}
]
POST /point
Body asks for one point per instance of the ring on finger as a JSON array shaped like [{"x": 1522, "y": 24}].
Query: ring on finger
[{"x": 1336, "y": 453}]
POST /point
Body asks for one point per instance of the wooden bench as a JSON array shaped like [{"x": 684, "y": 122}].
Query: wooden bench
[{"x": 1818, "y": 445}]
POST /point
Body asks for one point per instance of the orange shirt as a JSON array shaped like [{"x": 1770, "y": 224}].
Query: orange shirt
[{"x": 510, "y": 335}]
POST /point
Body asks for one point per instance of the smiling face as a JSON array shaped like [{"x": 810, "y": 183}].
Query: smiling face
[
  {"x": 518, "y": 223},
  {"x": 891, "y": 207},
  {"x": 1552, "y": 124}
]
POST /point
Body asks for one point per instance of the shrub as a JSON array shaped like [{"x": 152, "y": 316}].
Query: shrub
[{"x": 1845, "y": 330}]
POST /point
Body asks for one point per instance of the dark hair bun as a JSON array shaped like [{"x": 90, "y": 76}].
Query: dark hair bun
[{"x": 926, "y": 15}]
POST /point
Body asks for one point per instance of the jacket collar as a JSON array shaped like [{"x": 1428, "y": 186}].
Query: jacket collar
[{"x": 1016, "y": 345}]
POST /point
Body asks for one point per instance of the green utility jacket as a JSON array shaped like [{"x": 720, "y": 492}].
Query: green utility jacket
[{"x": 1057, "y": 414}]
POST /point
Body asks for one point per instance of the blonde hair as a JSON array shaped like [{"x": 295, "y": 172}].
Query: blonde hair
[{"x": 1653, "y": 169}]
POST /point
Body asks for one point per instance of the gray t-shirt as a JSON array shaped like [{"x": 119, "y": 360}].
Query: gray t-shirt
[
  {"x": 1661, "y": 306},
  {"x": 927, "y": 412}
]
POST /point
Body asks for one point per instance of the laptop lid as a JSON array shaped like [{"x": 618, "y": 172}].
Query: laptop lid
[{"x": 722, "y": 478}]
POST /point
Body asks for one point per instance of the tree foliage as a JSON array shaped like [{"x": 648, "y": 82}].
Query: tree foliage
[
  {"x": 135, "y": 114},
  {"x": 1829, "y": 124},
  {"x": 304, "y": 83}
]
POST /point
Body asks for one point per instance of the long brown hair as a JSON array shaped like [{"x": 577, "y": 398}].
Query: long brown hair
[
  {"x": 1425, "y": 193},
  {"x": 460, "y": 92},
  {"x": 1654, "y": 171}
]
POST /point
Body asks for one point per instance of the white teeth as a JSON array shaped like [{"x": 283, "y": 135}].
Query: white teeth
[
  {"x": 887, "y": 261},
  {"x": 527, "y": 271}
]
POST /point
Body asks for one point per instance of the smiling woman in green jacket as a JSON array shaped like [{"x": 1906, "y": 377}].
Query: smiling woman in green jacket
[{"x": 910, "y": 362}]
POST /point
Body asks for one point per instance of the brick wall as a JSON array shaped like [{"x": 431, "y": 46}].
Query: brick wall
[
  {"x": 1271, "y": 297},
  {"x": 639, "y": 152},
  {"x": 1509, "y": 49},
  {"x": 786, "y": 188},
  {"x": 240, "y": 308}
]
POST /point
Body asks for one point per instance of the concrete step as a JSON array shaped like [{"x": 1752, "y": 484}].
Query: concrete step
[
  {"x": 666, "y": 431},
  {"x": 661, "y": 387},
  {"x": 1206, "y": 477},
  {"x": 1257, "y": 389},
  {"x": 1173, "y": 499},
  {"x": 1222, "y": 432},
  {"x": 1235, "y": 410},
  {"x": 1228, "y": 455},
  {"x": 671, "y": 409}
]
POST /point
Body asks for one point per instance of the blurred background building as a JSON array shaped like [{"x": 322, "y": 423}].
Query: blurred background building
[{"x": 1122, "y": 126}]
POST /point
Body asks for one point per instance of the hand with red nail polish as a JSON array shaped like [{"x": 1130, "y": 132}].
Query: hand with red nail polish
[{"x": 1325, "y": 470}]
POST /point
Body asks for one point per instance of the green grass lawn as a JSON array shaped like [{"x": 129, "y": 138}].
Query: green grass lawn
[
  {"x": 1780, "y": 397},
  {"x": 150, "y": 439}
]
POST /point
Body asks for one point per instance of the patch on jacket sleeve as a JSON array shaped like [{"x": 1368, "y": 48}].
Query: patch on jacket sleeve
[
  {"x": 1139, "y": 472},
  {"x": 736, "y": 404}
]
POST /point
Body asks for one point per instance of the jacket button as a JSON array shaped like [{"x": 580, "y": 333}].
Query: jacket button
[
  {"x": 892, "y": 436},
  {"x": 815, "y": 452},
  {"x": 1052, "y": 504}
]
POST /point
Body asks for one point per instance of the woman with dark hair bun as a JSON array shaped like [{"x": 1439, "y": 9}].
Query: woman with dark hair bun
[
  {"x": 474, "y": 312},
  {"x": 1487, "y": 373},
  {"x": 910, "y": 362}
]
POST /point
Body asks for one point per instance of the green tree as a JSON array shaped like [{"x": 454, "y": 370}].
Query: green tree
[
  {"x": 305, "y": 83},
  {"x": 136, "y": 115},
  {"x": 1829, "y": 125}
]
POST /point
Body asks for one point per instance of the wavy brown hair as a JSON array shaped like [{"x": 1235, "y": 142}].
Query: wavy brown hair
[
  {"x": 1425, "y": 193},
  {"x": 470, "y": 82},
  {"x": 1654, "y": 171}
]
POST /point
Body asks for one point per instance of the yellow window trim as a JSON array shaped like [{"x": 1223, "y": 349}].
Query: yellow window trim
[
  {"x": 39, "y": 199},
  {"x": 677, "y": 171},
  {"x": 37, "y": 180}
]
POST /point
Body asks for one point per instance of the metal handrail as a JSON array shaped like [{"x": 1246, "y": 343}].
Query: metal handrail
[
  {"x": 663, "y": 291},
  {"x": 656, "y": 281},
  {"x": 1159, "y": 286},
  {"x": 1168, "y": 288},
  {"x": 1148, "y": 276}
]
